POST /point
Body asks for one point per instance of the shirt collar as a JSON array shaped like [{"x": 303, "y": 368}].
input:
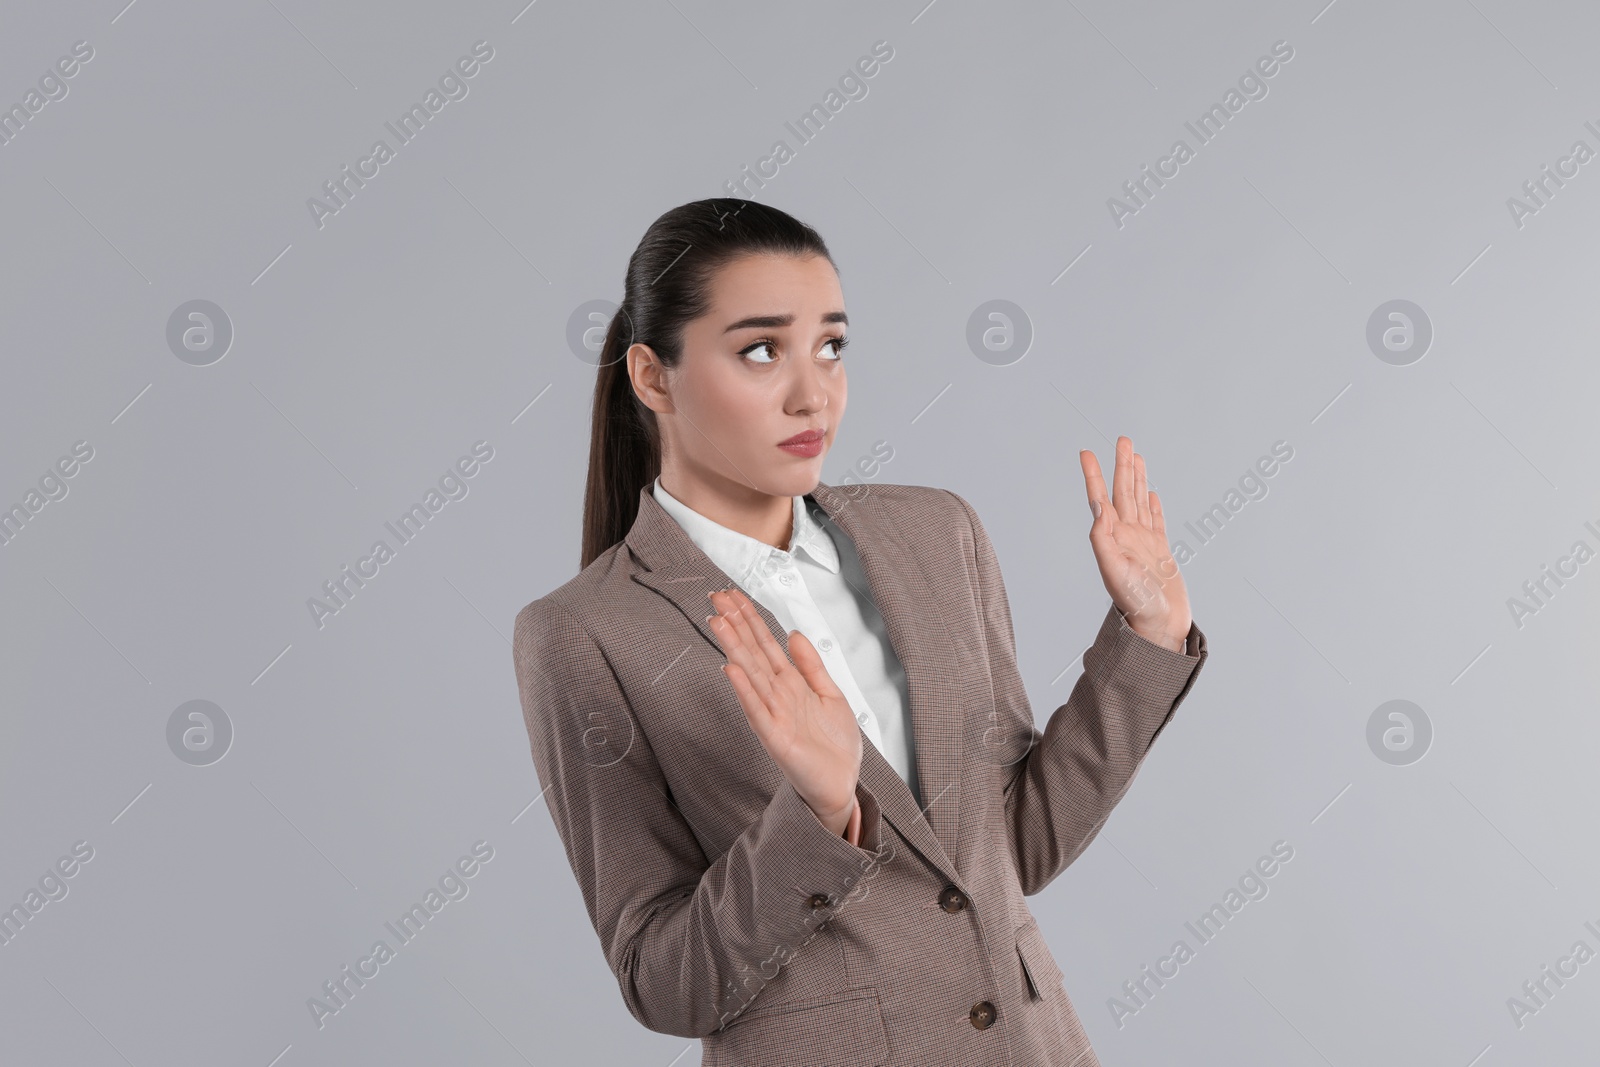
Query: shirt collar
[{"x": 742, "y": 556}]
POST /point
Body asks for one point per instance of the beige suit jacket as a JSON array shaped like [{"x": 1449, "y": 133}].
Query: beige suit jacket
[{"x": 725, "y": 908}]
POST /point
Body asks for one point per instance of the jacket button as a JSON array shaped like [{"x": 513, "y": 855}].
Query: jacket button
[
  {"x": 982, "y": 1014},
  {"x": 820, "y": 900},
  {"x": 952, "y": 899}
]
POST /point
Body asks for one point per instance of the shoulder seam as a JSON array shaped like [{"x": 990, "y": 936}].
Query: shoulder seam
[{"x": 593, "y": 641}]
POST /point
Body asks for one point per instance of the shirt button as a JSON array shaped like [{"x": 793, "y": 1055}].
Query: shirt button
[
  {"x": 786, "y": 579},
  {"x": 825, "y": 644},
  {"x": 862, "y": 718}
]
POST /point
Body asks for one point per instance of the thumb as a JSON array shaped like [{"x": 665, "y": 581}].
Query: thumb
[
  {"x": 809, "y": 663},
  {"x": 1101, "y": 535},
  {"x": 1102, "y": 512}
]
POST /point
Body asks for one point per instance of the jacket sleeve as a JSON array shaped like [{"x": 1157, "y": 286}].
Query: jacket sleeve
[
  {"x": 1076, "y": 770},
  {"x": 691, "y": 941}
]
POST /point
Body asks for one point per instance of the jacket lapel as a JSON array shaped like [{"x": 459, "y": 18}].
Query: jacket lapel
[{"x": 676, "y": 568}]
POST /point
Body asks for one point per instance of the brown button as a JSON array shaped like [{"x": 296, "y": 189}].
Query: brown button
[
  {"x": 952, "y": 899},
  {"x": 982, "y": 1015},
  {"x": 820, "y": 900}
]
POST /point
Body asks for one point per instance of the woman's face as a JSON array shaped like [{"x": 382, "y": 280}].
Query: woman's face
[{"x": 761, "y": 366}]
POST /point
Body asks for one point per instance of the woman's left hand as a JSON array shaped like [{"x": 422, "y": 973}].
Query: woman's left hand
[{"x": 1129, "y": 538}]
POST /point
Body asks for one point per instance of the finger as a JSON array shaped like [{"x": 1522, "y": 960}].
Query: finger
[
  {"x": 756, "y": 632},
  {"x": 740, "y": 653},
  {"x": 1158, "y": 520},
  {"x": 1093, "y": 483},
  {"x": 1141, "y": 490},
  {"x": 771, "y": 672},
  {"x": 1122, "y": 482},
  {"x": 755, "y": 709},
  {"x": 739, "y": 656},
  {"x": 1103, "y": 524},
  {"x": 742, "y": 623}
]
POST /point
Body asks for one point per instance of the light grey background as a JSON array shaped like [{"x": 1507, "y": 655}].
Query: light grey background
[{"x": 1229, "y": 313}]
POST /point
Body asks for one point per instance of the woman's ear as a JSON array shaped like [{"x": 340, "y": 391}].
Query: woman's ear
[{"x": 648, "y": 376}]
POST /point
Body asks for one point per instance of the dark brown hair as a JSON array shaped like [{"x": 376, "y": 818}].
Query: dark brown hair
[{"x": 667, "y": 285}]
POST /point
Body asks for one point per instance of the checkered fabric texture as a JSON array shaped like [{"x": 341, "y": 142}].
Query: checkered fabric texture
[{"x": 724, "y": 907}]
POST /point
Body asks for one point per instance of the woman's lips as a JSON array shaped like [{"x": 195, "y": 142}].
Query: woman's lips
[{"x": 804, "y": 444}]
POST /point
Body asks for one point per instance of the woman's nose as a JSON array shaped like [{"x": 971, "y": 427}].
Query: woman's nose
[{"x": 808, "y": 392}]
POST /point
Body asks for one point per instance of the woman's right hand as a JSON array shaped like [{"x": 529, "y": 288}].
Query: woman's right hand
[{"x": 798, "y": 713}]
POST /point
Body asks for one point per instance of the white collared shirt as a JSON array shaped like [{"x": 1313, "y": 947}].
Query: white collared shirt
[{"x": 819, "y": 588}]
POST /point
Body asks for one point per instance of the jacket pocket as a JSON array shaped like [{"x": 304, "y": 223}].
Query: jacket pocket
[
  {"x": 845, "y": 1030},
  {"x": 1040, "y": 966}
]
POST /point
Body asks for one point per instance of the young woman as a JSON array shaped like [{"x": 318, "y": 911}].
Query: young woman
[{"x": 780, "y": 723}]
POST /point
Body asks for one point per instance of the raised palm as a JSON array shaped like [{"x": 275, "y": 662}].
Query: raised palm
[
  {"x": 798, "y": 713},
  {"x": 1129, "y": 538}
]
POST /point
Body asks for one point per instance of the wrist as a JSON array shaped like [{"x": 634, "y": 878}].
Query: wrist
[
  {"x": 852, "y": 830},
  {"x": 838, "y": 822},
  {"x": 1169, "y": 638}
]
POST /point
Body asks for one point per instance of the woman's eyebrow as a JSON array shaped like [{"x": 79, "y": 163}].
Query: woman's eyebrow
[{"x": 769, "y": 322}]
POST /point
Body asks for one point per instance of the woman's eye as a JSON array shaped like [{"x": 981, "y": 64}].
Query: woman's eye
[{"x": 837, "y": 344}]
